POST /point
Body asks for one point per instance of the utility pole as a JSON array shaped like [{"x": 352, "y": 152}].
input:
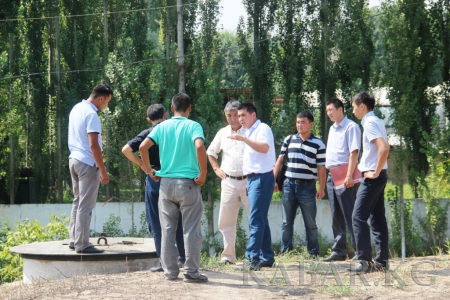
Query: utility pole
[
  {"x": 11, "y": 140},
  {"x": 58, "y": 107},
  {"x": 181, "y": 72},
  {"x": 108, "y": 130}
]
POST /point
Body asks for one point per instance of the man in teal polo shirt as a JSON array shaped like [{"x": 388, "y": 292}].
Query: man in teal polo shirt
[{"x": 183, "y": 171}]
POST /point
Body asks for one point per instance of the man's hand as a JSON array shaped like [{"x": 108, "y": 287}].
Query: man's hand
[
  {"x": 348, "y": 182},
  {"x": 320, "y": 194},
  {"x": 153, "y": 176},
  {"x": 275, "y": 189},
  {"x": 104, "y": 177},
  {"x": 370, "y": 175},
  {"x": 236, "y": 137},
  {"x": 221, "y": 174},
  {"x": 200, "y": 179},
  {"x": 144, "y": 168}
]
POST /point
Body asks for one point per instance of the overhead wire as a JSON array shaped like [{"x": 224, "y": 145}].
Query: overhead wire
[
  {"x": 94, "y": 14},
  {"x": 213, "y": 50}
]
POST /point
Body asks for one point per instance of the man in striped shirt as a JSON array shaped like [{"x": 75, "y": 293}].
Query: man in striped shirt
[{"x": 306, "y": 162}]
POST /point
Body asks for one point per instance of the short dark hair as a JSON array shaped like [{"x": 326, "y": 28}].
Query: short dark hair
[
  {"x": 181, "y": 102},
  {"x": 336, "y": 102},
  {"x": 101, "y": 90},
  {"x": 306, "y": 114},
  {"x": 249, "y": 107},
  {"x": 366, "y": 98},
  {"x": 155, "y": 112}
]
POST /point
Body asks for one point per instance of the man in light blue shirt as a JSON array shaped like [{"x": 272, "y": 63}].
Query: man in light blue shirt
[
  {"x": 86, "y": 165},
  {"x": 344, "y": 143},
  {"x": 370, "y": 197},
  {"x": 183, "y": 171}
]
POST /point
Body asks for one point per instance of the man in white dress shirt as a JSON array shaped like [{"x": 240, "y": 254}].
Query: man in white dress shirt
[
  {"x": 369, "y": 202},
  {"x": 234, "y": 183},
  {"x": 259, "y": 161},
  {"x": 344, "y": 143}
]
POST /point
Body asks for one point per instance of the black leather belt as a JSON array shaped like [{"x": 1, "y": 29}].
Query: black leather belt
[
  {"x": 302, "y": 181},
  {"x": 237, "y": 177},
  {"x": 257, "y": 174}
]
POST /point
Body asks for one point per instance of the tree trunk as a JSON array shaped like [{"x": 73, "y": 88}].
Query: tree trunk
[
  {"x": 325, "y": 44},
  {"x": 58, "y": 111},
  {"x": 11, "y": 140},
  {"x": 256, "y": 38},
  {"x": 167, "y": 34},
  {"x": 181, "y": 78},
  {"x": 50, "y": 111},
  {"x": 108, "y": 130}
]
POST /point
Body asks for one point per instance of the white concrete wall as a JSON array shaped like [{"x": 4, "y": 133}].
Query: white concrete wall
[{"x": 41, "y": 212}]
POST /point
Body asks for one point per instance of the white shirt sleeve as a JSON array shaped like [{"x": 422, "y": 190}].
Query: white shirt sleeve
[
  {"x": 93, "y": 123},
  {"x": 214, "y": 147}
]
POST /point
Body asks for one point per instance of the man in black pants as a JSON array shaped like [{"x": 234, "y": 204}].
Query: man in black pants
[
  {"x": 370, "y": 198},
  {"x": 344, "y": 144}
]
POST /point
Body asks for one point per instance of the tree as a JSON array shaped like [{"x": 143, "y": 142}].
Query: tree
[{"x": 411, "y": 59}]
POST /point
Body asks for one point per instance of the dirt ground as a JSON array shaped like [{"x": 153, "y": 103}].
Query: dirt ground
[{"x": 419, "y": 278}]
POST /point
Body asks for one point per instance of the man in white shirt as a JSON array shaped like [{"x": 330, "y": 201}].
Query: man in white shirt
[
  {"x": 234, "y": 183},
  {"x": 259, "y": 161},
  {"x": 86, "y": 165},
  {"x": 370, "y": 198},
  {"x": 344, "y": 143}
]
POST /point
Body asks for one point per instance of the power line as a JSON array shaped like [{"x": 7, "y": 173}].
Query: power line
[
  {"x": 94, "y": 14},
  {"x": 210, "y": 51}
]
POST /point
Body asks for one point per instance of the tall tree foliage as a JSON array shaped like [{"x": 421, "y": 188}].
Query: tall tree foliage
[
  {"x": 256, "y": 52},
  {"x": 411, "y": 59}
]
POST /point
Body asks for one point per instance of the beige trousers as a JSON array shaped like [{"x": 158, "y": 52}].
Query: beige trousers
[{"x": 233, "y": 194}]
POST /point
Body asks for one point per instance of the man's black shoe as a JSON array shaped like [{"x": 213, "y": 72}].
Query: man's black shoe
[
  {"x": 266, "y": 265},
  {"x": 363, "y": 267},
  {"x": 159, "y": 268},
  {"x": 90, "y": 250},
  {"x": 71, "y": 247},
  {"x": 335, "y": 257},
  {"x": 225, "y": 262},
  {"x": 201, "y": 278}
]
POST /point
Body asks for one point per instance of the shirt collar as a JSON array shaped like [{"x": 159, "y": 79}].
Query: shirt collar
[
  {"x": 310, "y": 137},
  {"x": 178, "y": 117},
  {"x": 92, "y": 105},
  {"x": 256, "y": 124},
  {"x": 370, "y": 113},
  {"x": 342, "y": 124},
  {"x": 157, "y": 124},
  {"x": 240, "y": 130}
]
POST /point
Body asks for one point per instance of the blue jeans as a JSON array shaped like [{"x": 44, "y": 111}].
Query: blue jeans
[
  {"x": 303, "y": 195},
  {"x": 153, "y": 223},
  {"x": 259, "y": 246}
]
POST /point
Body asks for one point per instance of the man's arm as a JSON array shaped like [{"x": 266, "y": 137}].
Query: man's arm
[
  {"x": 276, "y": 170},
  {"x": 352, "y": 163},
  {"x": 322, "y": 172},
  {"x": 383, "y": 151},
  {"x": 97, "y": 153},
  {"x": 201, "y": 157},
  {"x": 215, "y": 165},
  {"x": 261, "y": 147},
  {"x": 143, "y": 149},
  {"x": 129, "y": 153}
]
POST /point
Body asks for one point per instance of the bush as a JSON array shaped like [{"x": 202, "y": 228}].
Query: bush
[{"x": 26, "y": 233}]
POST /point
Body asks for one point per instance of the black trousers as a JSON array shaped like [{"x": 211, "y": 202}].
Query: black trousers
[
  {"x": 342, "y": 202},
  {"x": 370, "y": 204}
]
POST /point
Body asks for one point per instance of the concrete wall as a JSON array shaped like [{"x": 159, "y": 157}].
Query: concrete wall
[{"x": 102, "y": 211}]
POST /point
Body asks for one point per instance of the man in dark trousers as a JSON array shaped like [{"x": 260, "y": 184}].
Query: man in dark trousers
[
  {"x": 344, "y": 144},
  {"x": 370, "y": 197},
  {"x": 155, "y": 115},
  {"x": 86, "y": 165},
  {"x": 183, "y": 171}
]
